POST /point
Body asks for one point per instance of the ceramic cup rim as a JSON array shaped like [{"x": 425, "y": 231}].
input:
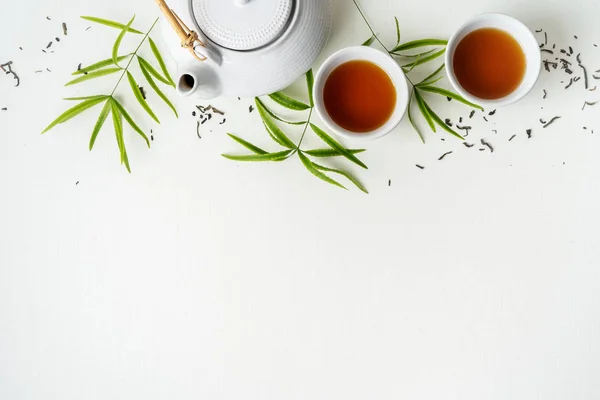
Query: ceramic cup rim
[
  {"x": 379, "y": 58},
  {"x": 517, "y": 30}
]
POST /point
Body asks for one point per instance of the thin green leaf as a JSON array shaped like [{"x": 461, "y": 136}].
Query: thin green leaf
[
  {"x": 431, "y": 82},
  {"x": 288, "y": 102},
  {"x": 423, "y": 60},
  {"x": 281, "y": 155},
  {"x": 118, "y": 125},
  {"x": 115, "y": 50},
  {"x": 93, "y": 75},
  {"x": 335, "y": 145},
  {"x": 247, "y": 145},
  {"x": 138, "y": 95},
  {"x": 275, "y": 116},
  {"x": 432, "y": 75},
  {"x": 161, "y": 62},
  {"x": 130, "y": 121},
  {"x": 397, "y": 31},
  {"x": 369, "y": 41},
  {"x": 275, "y": 132},
  {"x": 412, "y": 65},
  {"x": 86, "y": 97},
  {"x": 315, "y": 171},
  {"x": 421, "y": 104},
  {"x": 447, "y": 93},
  {"x": 74, "y": 111},
  {"x": 410, "y": 118},
  {"x": 100, "y": 122},
  {"x": 153, "y": 71},
  {"x": 442, "y": 124},
  {"x": 420, "y": 43},
  {"x": 112, "y": 24},
  {"x": 98, "y": 65},
  {"x": 343, "y": 173},
  {"x": 155, "y": 87},
  {"x": 423, "y": 54},
  {"x": 329, "y": 152},
  {"x": 310, "y": 83}
]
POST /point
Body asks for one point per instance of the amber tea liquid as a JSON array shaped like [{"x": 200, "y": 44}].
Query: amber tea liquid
[
  {"x": 489, "y": 63},
  {"x": 359, "y": 96}
]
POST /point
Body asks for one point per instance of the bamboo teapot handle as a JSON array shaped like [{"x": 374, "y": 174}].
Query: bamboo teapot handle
[{"x": 189, "y": 38}]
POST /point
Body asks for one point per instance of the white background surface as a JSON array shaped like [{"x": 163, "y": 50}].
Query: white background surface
[{"x": 199, "y": 278}]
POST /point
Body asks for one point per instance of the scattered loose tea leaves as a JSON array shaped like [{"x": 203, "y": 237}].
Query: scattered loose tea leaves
[
  {"x": 88, "y": 28},
  {"x": 49, "y": 45},
  {"x": 142, "y": 92},
  {"x": 487, "y": 144},
  {"x": 472, "y": 113},
  {"x": 251, "y": 108},
  {"x": 4, "y": 108},
  {"x": 444, "y": 155},
  {"x": 512, "y": 137},
  {"x": 460, "y": 120},
  {"x": 419, "y": 166},
  {"x": 469, "y": 145},
  {"x": 448, "y": 122},
  {"x": 570, "y": 83},
  {"x": 389, "y": 182},
  {"x": 449, "y": 98},
  {"x": 588, "y": 103},
  {"x": 542, "y": 121},
  {"x": 547, "y": 51},
  {"x": 492, "y": 112},
  {"x": 551, "y": 121},
  {"x": 222, "y": 122},
  {"x": 198, "y": 129},
  {"x": 528, "y": 131},
  {"x": 485, "y": 119},
  {"x": 64, "y": 28},
  {"x": 585, "y": 76},
  {"x": 482, "y": 149},
  {"x": 8, "y": 70}
]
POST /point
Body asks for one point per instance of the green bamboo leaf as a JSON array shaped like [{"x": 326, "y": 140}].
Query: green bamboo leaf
[
  {"x": 397, "y": 32},
  {"x": 412, "y": 65},
  {"x": 369, "y": 41},
  {"x": 447, "y": 93},
  {"x": 421, "y": 104},
  {"x": 418, "y": 55},
  {"x": 420, "y": 43},
  {"x": 431, "y": 76},
  {"x": 247, "y": 145},
  {"x": 112, "y": 24},
  {"x": 275, "y": 132},
  {"x": 115, "y": 50},
  {"x": 288, "y": 102},
  {"x": 74, "y": 111},
  {"x": 275, "y": 116},
  {"x": 410, "y": 118},
  {"x": 160, "y": 61},
  {"x": 118, "y": 125},
  {"x": 281, "y": 155},
  {"x": 130, "y": 121},
  {"x": 423, "y": 60},
  {"x": 337, "y": 146},
  {"x": 442, "y": 124},
  {"x": 138, "y": 95},
  {"x": 98, "y": 65},
  {"x": 343, "y": 173},
  {"x": 100, "y": 122},
  {"x": 154, "y": 86},
  {"x": 93, "y": 75},
  {"x": 153, "y": 71},
  {"x": 100, "y": 96},
  {"x": 330, "y": 152},
  {"x": 315, "y": 171},
  {"x": 310, "y": 83}
]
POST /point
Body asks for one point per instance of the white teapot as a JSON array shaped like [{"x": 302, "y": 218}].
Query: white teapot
[{"x": 243, "y": 47}]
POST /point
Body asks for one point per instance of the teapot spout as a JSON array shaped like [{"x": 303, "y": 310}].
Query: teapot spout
[{"x": 200, "y": 80}]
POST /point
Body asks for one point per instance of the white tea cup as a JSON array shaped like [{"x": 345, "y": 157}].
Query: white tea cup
[
  {"x": 521, "y": 33},
  {"x": 383, "y": 61}
]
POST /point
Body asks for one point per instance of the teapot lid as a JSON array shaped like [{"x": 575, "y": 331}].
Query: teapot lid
[{"x": 242, "y": 24}]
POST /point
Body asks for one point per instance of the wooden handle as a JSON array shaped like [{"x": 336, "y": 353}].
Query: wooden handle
[{"x": 188, "y": 37}]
